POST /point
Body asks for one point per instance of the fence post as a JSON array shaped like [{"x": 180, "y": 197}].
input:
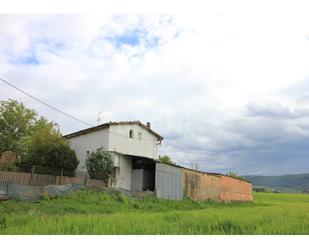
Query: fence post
[
  {"x": 61, "y": 174},
  {"x": 31, "y": 175},
  {"x": 7, "y": 188},
  {"x": 85, "y": 179}
]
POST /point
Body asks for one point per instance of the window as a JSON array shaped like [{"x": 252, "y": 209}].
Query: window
[
  {"x": 139, "y": 136},
  {"x": 131, "y": 134}
]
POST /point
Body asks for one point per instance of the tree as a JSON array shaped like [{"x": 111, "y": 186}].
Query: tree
[
  {"x": 99, "y": 164},
  {"x": 166, "y": 159},
  {"x": 44, "y": 137},
  {"x": 20, "y": 125},
  {"x": 16, "y": 122},
  {"x": 36, "y": 140},
  {"x": 49, "y": 151}
]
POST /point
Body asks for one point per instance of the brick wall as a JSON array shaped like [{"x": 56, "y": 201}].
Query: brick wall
[
  {"x": 201, "y": 186},
  {"x": 206, "y": 186},
  {"x": 235, "y": 189}
]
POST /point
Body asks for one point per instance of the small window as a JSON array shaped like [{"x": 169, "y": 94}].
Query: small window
[
  {"x": 139, "y": 136},
  {"x": 87, "y": 152},
  {"x": 131, "y": 134}
]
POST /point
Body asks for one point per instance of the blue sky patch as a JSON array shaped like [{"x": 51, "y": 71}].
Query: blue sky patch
[
  {"x": 26, "y": 59},
  {"x": 132, "y": 39}
]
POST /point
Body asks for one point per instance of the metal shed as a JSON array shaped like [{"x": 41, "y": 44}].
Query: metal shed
[{"x": 168, "y": 182}]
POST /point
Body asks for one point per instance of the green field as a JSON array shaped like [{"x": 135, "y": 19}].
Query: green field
[{"x": 92, "y": 212}]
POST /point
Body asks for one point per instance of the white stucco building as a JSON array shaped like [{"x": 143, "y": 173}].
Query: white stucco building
[{"x": 133, "y": 147}]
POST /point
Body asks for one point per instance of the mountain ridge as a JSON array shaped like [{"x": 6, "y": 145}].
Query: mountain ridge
[{"x": 284, "y": 183}]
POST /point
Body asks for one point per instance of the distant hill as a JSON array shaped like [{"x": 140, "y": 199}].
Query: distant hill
[{"x": 284, "y": 183}]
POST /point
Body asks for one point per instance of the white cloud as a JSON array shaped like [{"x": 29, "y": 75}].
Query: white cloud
[{"x": 220, "y": 86}]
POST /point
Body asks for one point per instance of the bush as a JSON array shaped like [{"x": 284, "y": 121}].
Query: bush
[
  {"x": 59, "y": 157},
  {"x": 51, "y": 158},
  {"x": 166, "y": 159},
  {"x": 99, "y": 165},
  {"x": 8, "y": 166},
  {"x": 234, "y": 175}
]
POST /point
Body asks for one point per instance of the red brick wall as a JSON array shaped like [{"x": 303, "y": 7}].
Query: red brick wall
[
  {"x": 201, "y": 186},
  {"x": 235, "y": 189},
  {"x": 204, "y": 186}
]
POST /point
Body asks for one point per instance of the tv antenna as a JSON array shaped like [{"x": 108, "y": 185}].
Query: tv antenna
[{"x": 99, "y": 117}]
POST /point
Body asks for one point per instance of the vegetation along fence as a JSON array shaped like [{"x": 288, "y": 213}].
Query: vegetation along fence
[{"x": 38, "y": 177}]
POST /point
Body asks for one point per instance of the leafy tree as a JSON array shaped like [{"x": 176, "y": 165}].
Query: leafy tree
[
  {"x": 166, "y": 159},
  {"x": 49, "y": 150},
  {"x": 99, "y": 164},
  {"x": 16, "y": 122},
  {"x": 45, "y": 136},
  {"x": 36, "y": 140}
]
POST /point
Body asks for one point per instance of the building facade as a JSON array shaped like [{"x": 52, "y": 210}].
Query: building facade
[
  {"x": 133, "y": 148},
  {"x": 128, "y": 143}
]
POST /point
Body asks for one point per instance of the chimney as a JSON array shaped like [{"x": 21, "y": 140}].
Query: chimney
[{"x": 148, "y": 125}]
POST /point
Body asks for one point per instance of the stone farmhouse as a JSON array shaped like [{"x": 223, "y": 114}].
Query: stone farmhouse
[{"x": 133, "y": 148}]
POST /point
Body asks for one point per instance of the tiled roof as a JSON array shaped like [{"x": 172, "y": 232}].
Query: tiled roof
[{"x": 107, "y": 125}]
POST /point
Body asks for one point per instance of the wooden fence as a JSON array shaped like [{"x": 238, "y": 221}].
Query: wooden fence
[{"x": 44, "y": 179}]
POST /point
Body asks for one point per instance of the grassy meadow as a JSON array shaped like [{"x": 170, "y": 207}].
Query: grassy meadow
[{"x": 93, "y": 212}]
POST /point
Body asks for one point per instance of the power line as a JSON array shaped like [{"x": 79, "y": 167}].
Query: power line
[{"x": 44, "y": 103}]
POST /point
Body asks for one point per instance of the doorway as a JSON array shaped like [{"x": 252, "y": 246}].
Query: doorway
[{"x": 143, "y": 174}]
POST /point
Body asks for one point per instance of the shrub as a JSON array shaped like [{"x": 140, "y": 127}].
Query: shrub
[
  {"x": 166, "y": 159},
  {"x": 8, "y": 166},
  {"x": 234, "y": 175},
  {"x": 60, "y": 156},
  {"x": 51, "y": 158},
  {"x": 99, "y": 165}
]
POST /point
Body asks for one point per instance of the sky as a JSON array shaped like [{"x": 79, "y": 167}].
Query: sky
[{"x": 227, "y": 87}]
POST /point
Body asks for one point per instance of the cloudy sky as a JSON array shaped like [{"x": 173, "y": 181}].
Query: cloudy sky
[{"x": 227, "y": 88}]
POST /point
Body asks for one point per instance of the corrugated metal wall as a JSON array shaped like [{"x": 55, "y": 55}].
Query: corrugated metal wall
[
  {"x": 137, "y": 180},
  {"x": 169, "y": 182}
]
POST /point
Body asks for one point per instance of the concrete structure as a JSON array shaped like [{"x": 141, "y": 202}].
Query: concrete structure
[
  {"x": 126, "y": 141},
  {"x": 133, "y": 147}
]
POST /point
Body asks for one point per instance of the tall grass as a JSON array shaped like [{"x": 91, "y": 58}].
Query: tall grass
[{"x": 91, "y": 212}]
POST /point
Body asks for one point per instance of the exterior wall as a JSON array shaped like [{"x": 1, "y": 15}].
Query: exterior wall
[
  {"x": 168, "y": 182},
  {"x": 204, "y": 186},
  {"x": 235, "y": 190},
  {"x": 88, "y": 142},
  {"x": 201, "y": 186},
  {"x": 125, "y": 172},
  {"x": 120, "y": 141}
]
